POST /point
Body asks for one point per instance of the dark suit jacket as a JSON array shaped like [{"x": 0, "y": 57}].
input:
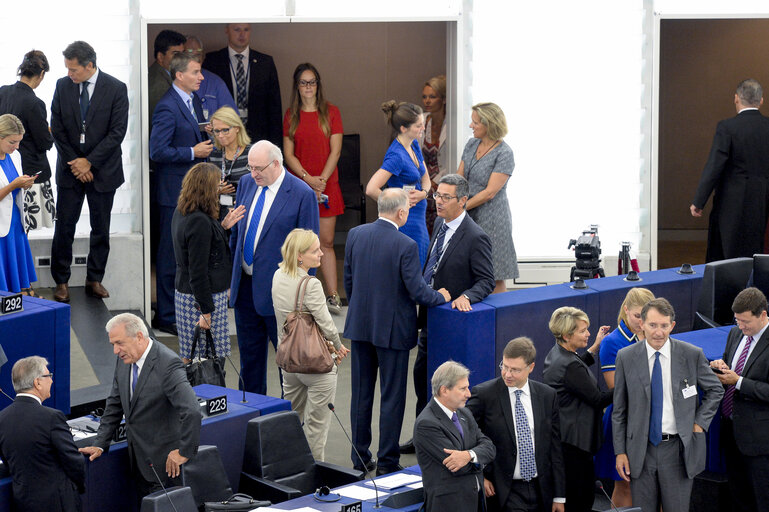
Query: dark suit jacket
[
  {"x": 48, "y": 472},
  {"x": 105, "y": 128},
  {"x": 444, "y": 490},
  {"x": 491, "y": 407},
  {"x": 19, "y": 99},
  {"x": 174, "y": 132},
  {"x": 265, "y": 119},
  {"x": 158, "y": 82},
  {"x": 738, "y": 170},
  {"x": 466, "y": 266},
  {"x": 163, "y": 414},
  {"x": 580, "y": 400},
  {"x": 383, "y": 282},
  {"x": 632, "y": 402},
  {"x": 751, "y": 401},
  {"x": 295, "y": 206}
]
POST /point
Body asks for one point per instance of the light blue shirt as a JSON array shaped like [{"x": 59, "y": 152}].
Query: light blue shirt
[{"x": 185, "y": 98}]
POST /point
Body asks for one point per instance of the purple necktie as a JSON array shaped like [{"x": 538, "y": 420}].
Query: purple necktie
[
  {"x": 455, "y": 420},
  {"x": 727, "y": 404},
  {"x": 135, "y": 371}
]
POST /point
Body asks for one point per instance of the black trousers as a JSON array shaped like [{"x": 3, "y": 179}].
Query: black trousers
[
  {"x": 420, "y": 372},
  {"x": 524, "y": 497},
  {"x": 69, "y": 203},
  {"x": 747, "y": 474},
  {"x": 580, "y": 479}
]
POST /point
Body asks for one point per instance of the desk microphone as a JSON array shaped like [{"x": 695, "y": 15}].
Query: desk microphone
[
  {"x": 240, "y": 379},
  {"x": 599, "y": 485},
  {"x": 365, "y": 469},
  {"x": 6, "y": 395},
  {"x": 152, "y": 467}
]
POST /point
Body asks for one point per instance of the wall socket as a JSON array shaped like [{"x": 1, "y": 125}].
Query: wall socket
[
  {"x": 80, "y": 261},
  {"x": 43, "y": 261}
]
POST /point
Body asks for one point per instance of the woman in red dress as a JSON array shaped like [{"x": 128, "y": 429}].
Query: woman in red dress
[{"x": 312, "y": 143}]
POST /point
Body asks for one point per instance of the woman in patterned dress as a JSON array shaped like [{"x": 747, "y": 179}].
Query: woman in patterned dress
[
  {"x": 487, "y": 163},
  {"x": 203, "y": 262},
  {"x": 434, "y": 138}
]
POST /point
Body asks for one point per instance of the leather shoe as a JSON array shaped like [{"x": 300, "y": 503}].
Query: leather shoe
[
  {"x": 95, "y": 289},
  {"x": 385, "y": 471},
  {"x": 62, "y": 293},
  {"x": 408, "y": 447},
  {"x": 166, "y": 328},
  {"x": 370, "y": 466}
]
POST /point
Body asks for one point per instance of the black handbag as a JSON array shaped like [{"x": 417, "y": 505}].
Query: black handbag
[
  {"x": 208, "y": 369},
  {"x": 236, "y": 502}
]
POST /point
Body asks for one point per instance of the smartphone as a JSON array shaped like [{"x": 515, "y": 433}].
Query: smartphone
[
  {"x": 38, "y": 173},
  {"x": 718, "y": 371}
]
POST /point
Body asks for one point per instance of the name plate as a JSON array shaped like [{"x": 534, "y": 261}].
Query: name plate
[
  {"x": 11, "y": 304},
  {"x": 121, "y": 433},
  {"x": 352, "y": 507},
  {"x": 217, "y": 405}
]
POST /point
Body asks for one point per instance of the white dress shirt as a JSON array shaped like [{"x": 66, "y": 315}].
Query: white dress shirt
[
  {"x": 271, "y": 191},
  {"x": 668, "y": 413},
  {"x": 451, "y": 228},
  {"x": 233, "y": 72},
  {"x": 30, "y": 396},
  {"x": 91, "y": 85},
  {"x": 741, "y": 347}
]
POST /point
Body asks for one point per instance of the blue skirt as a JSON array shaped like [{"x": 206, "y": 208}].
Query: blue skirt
[
  {"x": 605, "y": 460},
  {"x": 416, "y": 229},
  {"x": 17, "y": 269}
]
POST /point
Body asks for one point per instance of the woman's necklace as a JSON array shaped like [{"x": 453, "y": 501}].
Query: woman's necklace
[
  {"x": 409, "y": 151},
  {"x": 485, "y": 152}
]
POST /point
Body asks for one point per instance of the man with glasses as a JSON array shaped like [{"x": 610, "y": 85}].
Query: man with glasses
[
  {"x": 459, "y": 259},
  {"x": 520, "y": 416},
  {"x": 276, "y": 202},
  {"x": 176, "y": 144},
  {"x": 213, "y": 92},
  {"x": 36, "y": 444}
]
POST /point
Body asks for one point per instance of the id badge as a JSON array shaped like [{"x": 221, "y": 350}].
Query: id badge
[
  {"x": 82, "y": 138},
  {"x": 225, "y": 200},
  {"x": 689, "y": 391}
]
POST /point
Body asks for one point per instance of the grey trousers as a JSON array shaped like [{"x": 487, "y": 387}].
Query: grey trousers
[{"x": 663, "y": 479}]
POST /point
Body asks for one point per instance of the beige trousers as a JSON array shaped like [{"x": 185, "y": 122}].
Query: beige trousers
[{"x": 310, "y": 395}]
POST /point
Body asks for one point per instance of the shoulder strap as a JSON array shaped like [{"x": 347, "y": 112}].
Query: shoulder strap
[{"x": 302, "y": 288}]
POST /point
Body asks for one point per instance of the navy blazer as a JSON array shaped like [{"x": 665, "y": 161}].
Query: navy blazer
[
  {"x": 295, "y": 206},
  {"x": 174, "y": 132},
  {"x": 19, "y": 99},
  {"x": 105, "y": 127},
  {"x": 383, "y": 281},
  {"x": 35, "y": 442}
]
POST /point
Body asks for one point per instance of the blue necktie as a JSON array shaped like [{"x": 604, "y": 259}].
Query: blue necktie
[
  {"x": 135, "y": 370},
  {"x": 84, "y": 101},
  {"x": 249, "y": 245},
  {"x": 192, "y": 109},
  {"x": 525, "y": 443},
  {"x": 435, "y": 255},
  {"x": 455, "y": 420},
  {"x": 655, "y": 422}
]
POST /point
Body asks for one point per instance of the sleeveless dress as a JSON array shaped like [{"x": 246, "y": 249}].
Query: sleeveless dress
[
  {"x": 398, "y": 162},
  {"x": 17, "y": 269}
]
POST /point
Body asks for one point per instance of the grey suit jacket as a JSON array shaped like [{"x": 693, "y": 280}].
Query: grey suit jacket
[
  {"x": 632, "y": 402},
  {"x": 162, "y": 415}
]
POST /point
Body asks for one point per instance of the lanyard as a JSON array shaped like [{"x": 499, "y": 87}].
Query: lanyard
[{"x": 225, "y": 172}]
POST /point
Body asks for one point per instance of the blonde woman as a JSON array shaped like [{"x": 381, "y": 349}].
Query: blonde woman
[
  {"x": 231, "y": 143},
  {"x": 309, "y": 394},
  {"x": 434, "y": 137}
]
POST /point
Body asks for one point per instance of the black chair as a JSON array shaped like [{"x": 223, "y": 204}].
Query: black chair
[
  {"x": 349, "y": 175},
  {"x": 761, "y": 272},
  {"x": 205, "y": 475},
  {"x": 278, "y": 464},
  {"x": 721, "y": 282},
  {"x": 180, "y": 496}
]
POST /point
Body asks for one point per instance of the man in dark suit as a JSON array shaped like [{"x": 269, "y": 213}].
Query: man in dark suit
[
  {"x": 459, "y": 259},
  {"x": 520, "y": 416},
  {"x": 167, "y": 44},
  {"x": 89, "y": 117},
  {"x": 252, "y": 80},
  {"x": 276, "y": 202},
  {"x": 176, "y": 144},
  {"x": 738, "y": 171},
  {"x": 151, "y": 390},
  {"x": 383, "y": 282},
  {"x": 659, "y": 420},
  {"x": 744, "y": 371},
  {"x": 451, "y": 450},
  {"x": 36, "y": 444}
]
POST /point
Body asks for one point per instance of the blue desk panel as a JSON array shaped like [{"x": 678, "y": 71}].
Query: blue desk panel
[
  {"x": 368, "y": 505},
  {"x": 42, "y": 329},
  {"x": 265, "y": 404},
  {"x": 527, "y": 313}
]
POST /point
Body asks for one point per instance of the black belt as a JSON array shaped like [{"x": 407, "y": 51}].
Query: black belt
[{"x": 669, "y": 437}]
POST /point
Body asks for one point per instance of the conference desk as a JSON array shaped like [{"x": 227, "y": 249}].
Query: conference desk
[
  {"x": 41, "y": 329},
  {"x": 368, "y": 505},
  {"x": 108, "y": 481}
]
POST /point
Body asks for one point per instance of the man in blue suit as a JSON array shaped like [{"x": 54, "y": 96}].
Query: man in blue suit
[
  {"x": 383, "y": 281},
  {"x": 276, "y": 202},
  {"x": 176, "y": 144}
]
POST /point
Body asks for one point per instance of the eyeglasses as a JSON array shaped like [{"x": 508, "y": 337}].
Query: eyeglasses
[
  {"x": 223, "y": 131},
  {"x": 443, "y": 197},
  {"x": 306, "y": 83},
  {"x": 252, "y": 168},
  {"x": 199, "y": 51},
  {"x": 50, "y": 375},
  {"x": 512, "y": 371}
]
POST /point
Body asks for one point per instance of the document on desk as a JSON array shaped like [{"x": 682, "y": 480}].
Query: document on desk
[
  {"x": 273, "y": 509},
  {"x": 396, "y": 480},
  {"x": 358, "y": 492}
]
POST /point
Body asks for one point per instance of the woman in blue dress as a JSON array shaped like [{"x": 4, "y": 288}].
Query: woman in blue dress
[
  {"x": 404, "y": 167},
  {"x": 17, "y": 270},
  {"x": 627, "y": 332}
]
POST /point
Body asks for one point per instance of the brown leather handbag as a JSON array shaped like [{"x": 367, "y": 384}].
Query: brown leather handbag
[{"x": 303, "y": 349}]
